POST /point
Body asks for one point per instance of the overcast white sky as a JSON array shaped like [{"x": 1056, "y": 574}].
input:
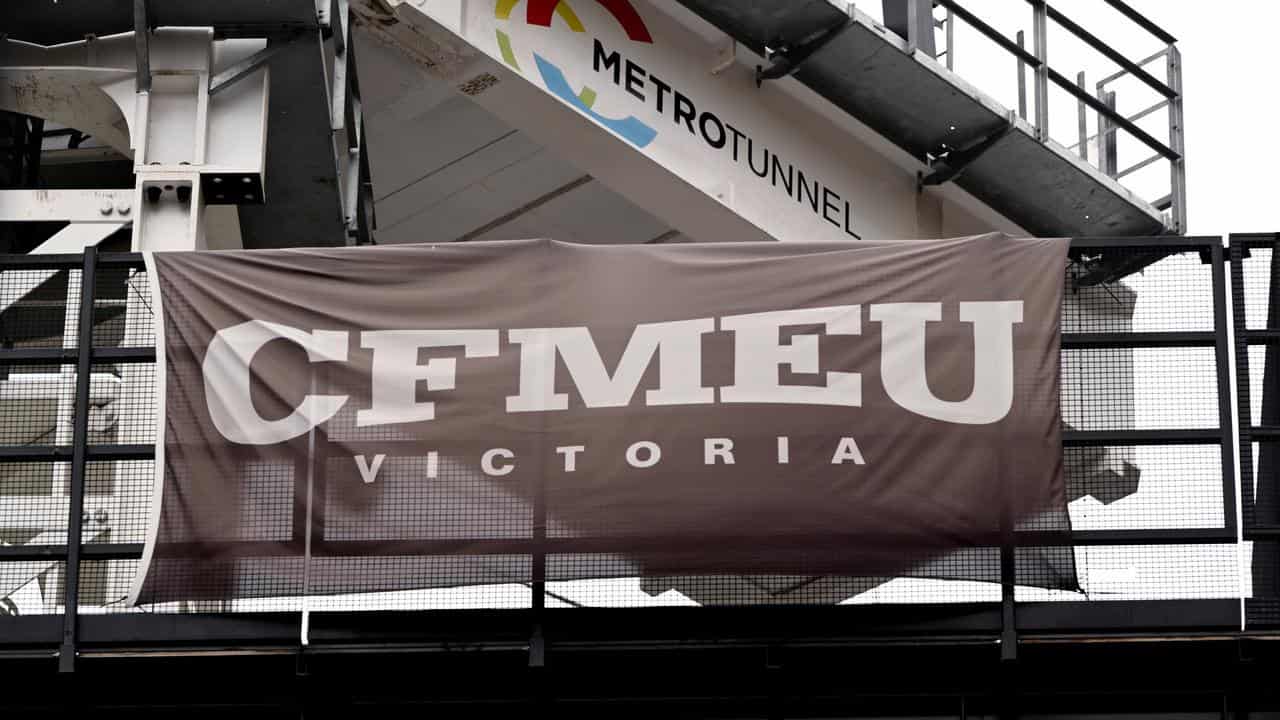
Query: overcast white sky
[{"x": 1232, "y": 109}]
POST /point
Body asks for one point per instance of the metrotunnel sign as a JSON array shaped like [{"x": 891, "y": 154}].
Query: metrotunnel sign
[
  {"x": 436, "y": 415},
  {"x": 638, "y": 74}
]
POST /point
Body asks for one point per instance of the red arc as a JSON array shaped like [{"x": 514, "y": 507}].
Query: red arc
[{"x": 540, "y": 12}]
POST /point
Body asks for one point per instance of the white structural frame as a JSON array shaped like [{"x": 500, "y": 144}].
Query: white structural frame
[{"x": 191, "y": 110}]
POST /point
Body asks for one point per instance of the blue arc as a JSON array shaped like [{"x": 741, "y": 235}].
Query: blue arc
[{"x": 630, "y": 127}]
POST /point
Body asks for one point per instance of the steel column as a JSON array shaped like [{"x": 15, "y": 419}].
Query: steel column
[
  {"x": 1222, "y": 359},
  {"x": 1082, "y": 113},
  {"x": 1022, "y": 77},
  {"x": 1040, "y": 46},
  {"x": 79, "y": 456},
  {"x": 1177, "y": 141}
]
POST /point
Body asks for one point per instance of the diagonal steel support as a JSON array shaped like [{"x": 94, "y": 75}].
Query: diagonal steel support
[
  {"x": 74, "y": 238},
  {"x": 787, "y": 58},
  {"x": 236, "y": 71},
  {"x": 951, "y": 164}
]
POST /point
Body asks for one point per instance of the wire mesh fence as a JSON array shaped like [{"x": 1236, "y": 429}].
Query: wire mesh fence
[{"x": 1144, "y": 384}]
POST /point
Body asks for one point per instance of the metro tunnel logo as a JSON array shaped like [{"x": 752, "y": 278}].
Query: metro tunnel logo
[{"x": 541, "y": 13}]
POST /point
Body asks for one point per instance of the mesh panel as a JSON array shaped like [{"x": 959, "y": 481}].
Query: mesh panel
[
  {"x": 1148, "y": 572},
  {"x": 37, "y": 409},
  {"x": 812, "y": 589},
  {"x": 506, "y": 596},
  {"x": 1145, "y": 487},
  {"x": 1261, "y": 479},
  {"x": 122, "y": 400},
  {"x": 1140, "y": 302},
  {"x": 31, "y": 588},
  {"x": 35, "y": 305},
  {"x": 1262, "y": 609},
  {"x": 1255, "y": 372},
  {"x": 117, "y": 500},
  {"x": 1143, "y": 389},
  {"x": 36, "y": 403},
  {"x": 104, "y": 585},
  {"x": 1256, "y": 286},
  {"x": 333, "y": 575},
  {"x": 1262, "y": 613},
  {"x": 124, "y": 312},
  {"x": 33, "y": 503}
]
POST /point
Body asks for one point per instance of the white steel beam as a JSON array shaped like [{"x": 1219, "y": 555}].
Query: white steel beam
[
  {"x": 45, "y": 511},
  {"x": 103, "y": 387},
  {"x": 74, "y": 206}
]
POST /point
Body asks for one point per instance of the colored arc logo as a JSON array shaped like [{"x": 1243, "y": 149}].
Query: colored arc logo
[{"x": 539, "y": 13}]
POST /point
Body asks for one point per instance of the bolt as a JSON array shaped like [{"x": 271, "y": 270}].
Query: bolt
[
  {"x": 153, "y": 193},
  {"x": 184, "y": 194},
  {"x": 123, "y": 207},
  {"x": 105, "y": 208}
]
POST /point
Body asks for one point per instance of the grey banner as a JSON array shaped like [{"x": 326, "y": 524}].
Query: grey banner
[{"x": 349, "y": 420}]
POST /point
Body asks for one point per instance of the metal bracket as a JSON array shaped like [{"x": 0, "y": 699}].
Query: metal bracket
[
  {"x": 786, "y": 59},
  {"x": 952, "y": 162},
  {"x": 235, "y": 71}
]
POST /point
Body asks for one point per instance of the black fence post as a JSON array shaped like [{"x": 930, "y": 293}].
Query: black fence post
[
  {"x": 1244, "y": 418},
  {"x": 79, "y": 451},
  {"x": 538, "y": 602},
  {"x": 1222, "y": 361},
  {"x": 1008, "y": 609}
]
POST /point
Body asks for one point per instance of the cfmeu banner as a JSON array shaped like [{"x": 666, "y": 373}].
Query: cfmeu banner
[{"x": 349, "y": 420}]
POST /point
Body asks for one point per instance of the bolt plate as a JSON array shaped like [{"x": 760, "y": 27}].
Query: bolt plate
[{"x": 232, "y": 189}]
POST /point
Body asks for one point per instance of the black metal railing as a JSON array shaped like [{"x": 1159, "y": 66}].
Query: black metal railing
[
  {"x": 1147, "y": 398},
  {"x": 1048, "y": 73}
]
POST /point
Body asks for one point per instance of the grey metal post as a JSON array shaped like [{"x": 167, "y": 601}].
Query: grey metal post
[
  {"x": 1082, "y": 113},
  {"x": 913, "y": 26},
  {"x": 1177, "y": 142},
  {"x": 1040, "y": 42},
  {"x": 951, "y": 40},
  {"x": 79, "y": 453},
  {"x": 1108, "y": 145},
  {"x": 1022, "y": 78}
]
